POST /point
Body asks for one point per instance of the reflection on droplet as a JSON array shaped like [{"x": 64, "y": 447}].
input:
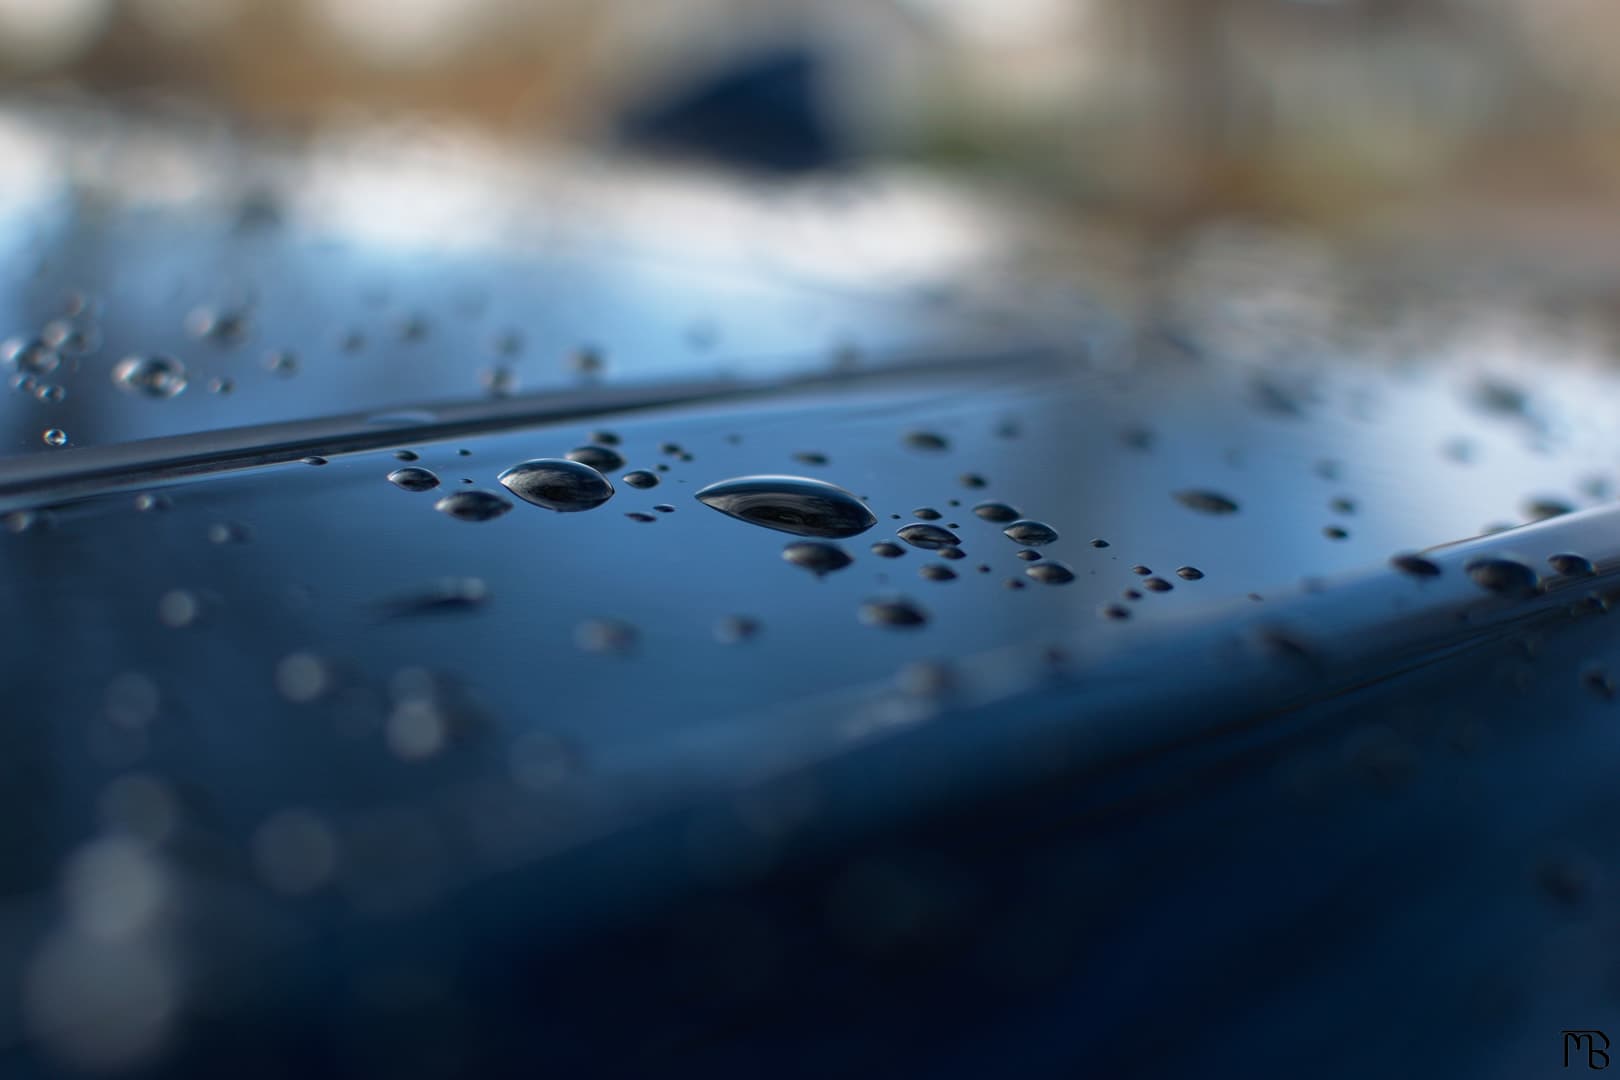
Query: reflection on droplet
[
  {"x": 641, "y": 478},
  {"x": 556, "y": 484},
  {"x": 414, "y": 478},
  {"x": 793, "y": 504},
  {"x": 473, "y": 505},
  {"x": 1049, "y": 573},
  {"x": 599, "y": 458},
  {"x": 1206, "y": 502},
  {"x": 153, "y": 376},
  {"x": 1571, "y": 565},
  {"x": 928, "y": 537},
  {"x": 893, "y": 612},
  {"x": 996, "y": 511},
  {"x": 1501, "y": 575},
  {"x": 1030, "y": 533},
  {"x": 55, "y": 437},
  {"x": 817, "y": 556}
]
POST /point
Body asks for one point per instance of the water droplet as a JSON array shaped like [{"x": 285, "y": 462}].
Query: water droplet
[
  {"x": 1416, "y": 565},
  {"x": 887, "y": 549},
  {"x": 55, "y": 437},
  {"x": 793, "y": 504},
  {"x": 221, "y": 327},
  {"x": 1189, "y": 573},
  {"x": 952, "y": 553},
  {"x": 996, "y": 511},
  {"x": 1572, "y": 565},
  {"x": 1115, "y": 611},
  {"x": 1206, "y": 502},
  {"x": 1013, "y": 584},
  {"x": 473, "y": 505},
  {"x": 1506, "y": 576},
  {"x": 894, "y": 612},
  {"x": 937, "y": 572},
  {"x": 556, "y": 484},
  {"x": 407, "y": 455},
  {"x": 928, "y": 537},
  {"x": 664, "y": 508},
  {"x": 30, "y": 357},
  {"x": 973, "y": 480},
  {"x": 587, "y": 360},
  {"x": 641, "y": 478},
  {"x": 736, "y": 628},
  {"x": 809, "y": 457},
  {"x": 18, "y": 522},
  {"x": 1030, "y": 533},
  {"x": 147, "y": 502},
  {"x": 1141, "y": 571},
  {"x": 179, "y": 608},
  {"x": 446, "y": 596},
  {"x": 153, "y": 376},
  {"x": 1342, "y": 505},
  {"x": 50, "y": 393},
  {"x": 414, "y": 478},
  {"x": 926, "y": 513},
  {"x": 221, "y": 384},
  {"x": 599, "y": 458},
  {"x": 498, "y": 381},
  {"x": 605, "y": 636},
  {"x": 1029, "y": 554},
  {"x": 1335, "y": 532},
  {"x": 1049, "y": 573},
  {"x": 1099, "y": 543},
  {"x": 1542, "y": 509},
  {"x": 637, "y": 515},
  {"x": 282, "y": 362},
  {"x": 302, "y": 677},
  {"x": 926, "y": 440},
  {"x": 1157, "y": 584},
  {"x": 817, "y": 556},
  {"x": 228, "y": 532},
  {"x": 1132, "y": 594}
]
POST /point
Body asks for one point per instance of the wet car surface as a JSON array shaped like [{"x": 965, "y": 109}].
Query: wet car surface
[{"x": 1218, "y": 704}]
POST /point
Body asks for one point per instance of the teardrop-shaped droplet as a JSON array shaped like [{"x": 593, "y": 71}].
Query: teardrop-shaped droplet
[
  {"x": 793, "y": 504},
  {"x": 154, "y": 376},
  {"x": 414, "y": 478},
  {"x": 1206, "y": 502},
  {"x": 557, "y": 484},
  {"x": 996, "y": 511},
  {"x": 1505, "y": 576},
  {"x": 473, "y": 505},
  {"x": 817, "y": 556},
  {"x": 641, "y": 478},
  {"x": 1049, "y": 573},
  {"x": 895, "y": 612},
  {"x": 928, "y": 537},
  {"x": 1030, "y": 533},
  {"x": 599, "y": 458},
  {"x": 1571, "y": 565}
]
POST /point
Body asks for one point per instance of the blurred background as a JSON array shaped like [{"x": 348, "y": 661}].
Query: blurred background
[{"x": 1155, "y": 107}]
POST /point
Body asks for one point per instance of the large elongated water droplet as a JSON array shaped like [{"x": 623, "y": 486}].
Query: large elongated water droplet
[
  {"x": 557, "y": 484},
  {"x": 793, "y": 504}
]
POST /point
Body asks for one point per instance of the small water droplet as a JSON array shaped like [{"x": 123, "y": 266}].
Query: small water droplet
[
  {"x": 179, "y": 608},
  {"x": 937, "y": 572},
  {"x": 973, "y": 480},
  {"x": 1030, "y": 533},
  {"x": 926, "y": 513},
  {"x": 282, "y": 362},
  {"x": 50, "y": 393},
  {"x": 1500, "y": 575},
  {"x": 148, "y": 502},
  {"x": 605, "y": 636},
  {"x": 1342, "y": 505},
  {"x": 1415, "y": 565},
  {"x": 587, "y": 360},
  {"x": 996, "y": 511},
  {"x": 1571, "y": 565},
  {"x": 793, "y": 504},
  {"x": 1029, "y": 554},
  {"x": 894, "y": 612},
  {"x": 928, "y": 537},
  {"x": 810, "y": 457},
  {"x": 565, "y": 486},
  {"x": 664, "y": 508},
  {"x": 1206, "y": 502},
  {"x": 303, "y": 677},
  {"x": 1335, "y": 532},
  {"x": 1542, "y": 509},
  {"x": 952, "y": 553},
  {"x": 1115, "y": 611},
  {"x": 30, "y": 357},
  {"x": 1099, "y": 543},
  {"x": 498, "y": 381},
  {"x": 445, "y": 596},
  {"x": 734, "y": 629},
  {"x": 154, "y": 376},
  {"x": 926, "y": 440},
  {"x": 599, "y": 458},
  {"x": 228, "y": 532},
  {"x": 221, "y": 384},
  {"x": 1013, "y": 584},
  {"x": 414, "y": 478},
  {"x": 637, "y": 515},
  {"x": 1157, "y": 584},
  {"x": 1049, "y": 573},
  {"x": 473, "y": 505},
  {"x": 887, "y": 549},
  {"x": 407, "y": 455},
  {"x": 817, "y": 556},
  {"x": 55, "y": 437},
  {"x": 641, "y": 478}
]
